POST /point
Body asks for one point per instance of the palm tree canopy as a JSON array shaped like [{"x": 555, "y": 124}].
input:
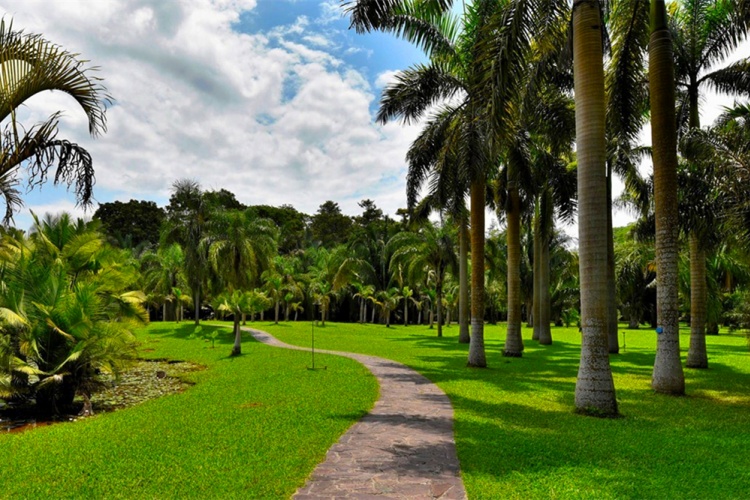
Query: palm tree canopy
[{"x": 29, "y": 64}]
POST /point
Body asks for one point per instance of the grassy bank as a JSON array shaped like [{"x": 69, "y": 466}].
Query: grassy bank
[
  {"x": 517, "y": 435},
  {"x": 251, "y": 427}
]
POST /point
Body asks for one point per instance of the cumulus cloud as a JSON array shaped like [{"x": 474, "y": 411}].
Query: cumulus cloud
[
  {"x": 385, "y": 78},
  {"x": 274, "y": 117}
]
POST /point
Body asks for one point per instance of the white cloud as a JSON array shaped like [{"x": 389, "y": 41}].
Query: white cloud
[
  {"x": 385, "y": 78},
  {"x": 275, "y": 118},
  {"x": 330, "y": 11}
]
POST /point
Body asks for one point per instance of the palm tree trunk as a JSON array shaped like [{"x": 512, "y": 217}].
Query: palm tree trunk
[
  {"x": 513, "y": 340},
  {"x": 697, "y": 356},
  {"x": 276, "y": 313},
  {"x": 595, "y": 390},
  {"x": 537, "y": 274},
  {"x": 237, "y": 349},
  {"x": 612, "y": 334},
  {"x": 406, "y": 311},
  {"x": 164, "y": 311},
  {"x": 373, "y": 315},
  {"x": 463, "y": 283},
  {"x": 545, "y": 308},
  {"x": 477, "y": 357},
  {"x": 439, "y": 300},
  {"x": 197, "y": 305},
  {"x": 668, "y": 376}
]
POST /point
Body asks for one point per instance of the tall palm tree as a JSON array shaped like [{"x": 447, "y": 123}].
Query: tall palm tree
[
  {"x": 186, "y": 225},
  {"x": 481, "y": 67},
  {"x": 626, "y": 88},
  {"x": 595, "y": 391},
  {"x": 30, "y": 64},
  {"x": 668, "y": 376},
  {"x": 704, "y": 34},
  {"x": 239, "y": 247}
]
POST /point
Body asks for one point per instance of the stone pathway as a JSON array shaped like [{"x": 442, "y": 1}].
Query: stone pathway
[{"x": 403, "y": 448}]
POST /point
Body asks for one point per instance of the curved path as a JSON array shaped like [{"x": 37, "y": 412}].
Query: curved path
[{"x": 403, "y": 448}]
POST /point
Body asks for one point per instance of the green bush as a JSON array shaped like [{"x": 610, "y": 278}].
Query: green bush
[{"x": 66, "y": 313}]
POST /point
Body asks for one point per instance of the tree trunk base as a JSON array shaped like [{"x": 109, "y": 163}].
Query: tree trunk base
[
  {"x": 236, "y": 351},
  {"x": 512, "y": 354}
]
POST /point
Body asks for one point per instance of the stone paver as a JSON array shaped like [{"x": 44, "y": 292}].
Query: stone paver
[{"x": 403, "y": 448}]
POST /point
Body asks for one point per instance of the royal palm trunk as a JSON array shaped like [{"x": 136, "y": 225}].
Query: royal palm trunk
[
  {"x": 545, "y": 308},
  {"x": 546, "y": 224},
  {"x": 463, "y": 284},
  {"x": 697, "y": 356},
  {"x": 537, "y": 275},
  {"x": 668, "y": 376},
  {"x": 477, "y": 356},
  {"x": 612, "y": 333},
  {"x": 513, "y": 340},
  {"x": 595, "y": 391}
]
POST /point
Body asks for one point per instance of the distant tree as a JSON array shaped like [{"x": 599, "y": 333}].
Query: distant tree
[
  {"x": 431, "y": 251},
  {"x": 291, "y": 223},
  {"x": 135, "y": 221},
  {"x": 370, "y": 213},
  {"x": 222, "y": 199},
  {"x": 329, "y": 226}
]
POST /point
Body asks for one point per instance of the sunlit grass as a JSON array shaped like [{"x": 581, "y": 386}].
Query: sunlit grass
[
  {"x": 518, "y": 437},
  {"x": 253, "y": 426}
]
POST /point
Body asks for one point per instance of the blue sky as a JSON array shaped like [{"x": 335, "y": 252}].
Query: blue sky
[{"x": 271, "y": 99}]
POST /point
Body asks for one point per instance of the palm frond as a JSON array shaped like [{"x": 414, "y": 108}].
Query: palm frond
[
  {"x": 416, "y": 90},
  {"x": 733, "y": 79}
]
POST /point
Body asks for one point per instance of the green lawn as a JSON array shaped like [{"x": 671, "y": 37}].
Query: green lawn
[
  {"x": 518, "y": 437},
  {"x": 252, "y": 427}
]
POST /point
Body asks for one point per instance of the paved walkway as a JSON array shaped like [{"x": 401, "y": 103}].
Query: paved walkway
[{"x": 403, "y": 448}]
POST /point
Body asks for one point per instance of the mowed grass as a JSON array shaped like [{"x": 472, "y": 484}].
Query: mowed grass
[
  {"x": 517, "y": 435},
  {"x": 253, "y": 426}
]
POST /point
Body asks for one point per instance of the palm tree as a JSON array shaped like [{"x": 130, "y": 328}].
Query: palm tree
[
  {"x": 30, "y": 65},
  {"x": 186, "y": 224},
  {"x": 595, "y": 391},
  {"x": 627, "y": 110},
  {"x": 237, "y": 303},
  {"x": 705, "y": 33},
  {"x": 275, "y": 287},
  {"x": 162, "y": 272},
  {"x": 635, "y": 273},
  {"x": 238, "y": 248},
  {"x": 668, "y": 376},
  {"x": 481, "y": 67},
  {"x": 67, "y": 313},
  {"x": 388, "y": 301},
  {"x": 430, "y": 251}
]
